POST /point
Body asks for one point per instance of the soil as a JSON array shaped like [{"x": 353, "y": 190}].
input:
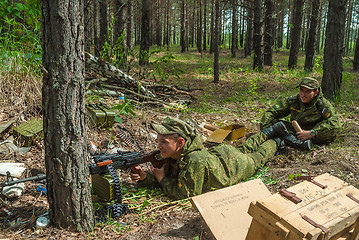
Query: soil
[{"x": 178, "y": 220}]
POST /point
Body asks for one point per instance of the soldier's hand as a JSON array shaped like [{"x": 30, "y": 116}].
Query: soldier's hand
[
  {"x": 304, "y": 135},
  {"x": 137, "y": 174},
  {"x": 159, "y": 173}
]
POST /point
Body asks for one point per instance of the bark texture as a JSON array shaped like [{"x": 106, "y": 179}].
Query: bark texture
[
  {"x": 68, "y": 188},
  {"x": 333, "y": 51}
]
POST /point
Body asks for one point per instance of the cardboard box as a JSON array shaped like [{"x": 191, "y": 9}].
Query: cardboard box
[
  {"x": 323, "y": 208},
  {"x": 230, "y": 133},
  {"x": 225, "y": 210}
]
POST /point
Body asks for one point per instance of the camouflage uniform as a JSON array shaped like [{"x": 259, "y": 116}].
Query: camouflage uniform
[
  {"x": 199, "y": 170},
  {"x": 318, "y": 115}
]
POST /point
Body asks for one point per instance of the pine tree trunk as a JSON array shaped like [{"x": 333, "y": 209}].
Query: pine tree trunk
[
  {"x": 212, "y": 27},
  {"x": 145, "y": 33},
  {"x": 216, "y": 41},
  {"x": 199, "y": 26},
  {"x": 356, "y": 55},
  {"x": 205, "y": 25},
  {"x": 96, "y": 24},
  {"x": 159, "y": 23},
  {"x": 333, "y": 51},
  {"x": 268, "y": 33},
  {"x": 280, "y": 23},
  {"x": 67, "y": 173},
  {"x": 103, "y": 25},
  {"x": 249, "y": 33},
  {"x": 234, "y": 28},
  {"x": 130, "y": 25},
  {"x": 257, "y": 36},
  {"x": 295, "y": 33},
  {"x": 88, "y": 25},
  {"x": 312, "y": 38},
  {"x": 183, "y": 26}
]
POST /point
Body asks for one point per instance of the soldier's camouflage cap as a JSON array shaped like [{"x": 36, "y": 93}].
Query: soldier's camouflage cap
[
  {"x": 172, "y": 126},
  {"x": 309, "y": 83}
]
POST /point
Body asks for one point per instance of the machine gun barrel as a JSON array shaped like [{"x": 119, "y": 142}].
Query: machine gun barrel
[{"x": 37, "y": 177}]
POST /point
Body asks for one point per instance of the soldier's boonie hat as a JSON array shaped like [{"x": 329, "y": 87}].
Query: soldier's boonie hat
[
  {"x": 172, "y": 126},
  {"x": 309, "y": 83}
]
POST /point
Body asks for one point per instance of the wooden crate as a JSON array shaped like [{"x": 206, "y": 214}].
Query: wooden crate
[{"x": 321, "y": 208}]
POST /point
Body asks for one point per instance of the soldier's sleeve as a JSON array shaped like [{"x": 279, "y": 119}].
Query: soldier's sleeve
[
  {"x": 188, "y": 183},
  {"x": 149, "y": 180},
  {"x": 328, "y": 128},
  {"x": 279, "y": 110}
]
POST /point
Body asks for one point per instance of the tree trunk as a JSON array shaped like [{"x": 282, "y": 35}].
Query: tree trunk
[
  {"x": 249, "y": 34},
  {"x": 88, "y": 25},
  {"x": 119, "y": 34},
  {"x": 280, "y": 23},
  {"x": 199, "y": 26},
  {"x": 257, "y": 36},
  {"x": 145, "y": 33},
  {"x": 319, "y": 27},
  {"x": 130, "y": 25},
  {"x": 241, "y": 38},
  {"x": 212, "y": 26},
  {"x": 216, "y": 41},
  {"x": 290, "y": 22},
  {"x": 96, "y": 24},
  {"x": 234, "y": 28},
  {"x": 183, "y": 26},
  {"x": 205, "y": 25},
  {"x": 356, "y": 55},
  {"x": 333, "y": 51},
  {"x": 103, "y": 25},
  {"x": 348, "y": 27},
  {"x": 268, "y": 33},
  {"x": 67, "y": 173},
  {"x": 295, "y": 33},
  {"x": 312, "y": 38},
  {"x": 159, "y": 23}
]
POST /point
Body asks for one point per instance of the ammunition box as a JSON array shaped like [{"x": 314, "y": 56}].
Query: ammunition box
[
  {"x": 110, "y": 116},
  {"x": 25, "y": 133},
  {"x": 97, "y": 116},
  {"x": 103, "y": 186}
]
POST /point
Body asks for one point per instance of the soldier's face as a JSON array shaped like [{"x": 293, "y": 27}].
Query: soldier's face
[
  {"x": 170, "y": 146},
  {"x": 307, "y": 95}
]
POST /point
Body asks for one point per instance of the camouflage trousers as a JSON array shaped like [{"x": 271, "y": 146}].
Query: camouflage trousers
[{"x": 259, "y": 148}]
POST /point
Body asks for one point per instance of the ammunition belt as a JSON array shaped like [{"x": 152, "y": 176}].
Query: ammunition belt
[{"x": 116, "y": 209}]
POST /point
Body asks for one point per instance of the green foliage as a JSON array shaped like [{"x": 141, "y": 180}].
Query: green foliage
[
  {"x": 19, "y": 45},
  {"x": 262, "y": 174},
  {"x": 124, "y": 108}
]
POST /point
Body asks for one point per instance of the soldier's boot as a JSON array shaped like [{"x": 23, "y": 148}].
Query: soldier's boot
[
  {"x": 280, "y": 144},
  {"x": 292, "y": 141},
  {"x": 276, "y": 130}
]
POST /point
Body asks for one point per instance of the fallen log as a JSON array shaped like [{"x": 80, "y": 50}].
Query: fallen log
[{"x": 107, "y": 70}]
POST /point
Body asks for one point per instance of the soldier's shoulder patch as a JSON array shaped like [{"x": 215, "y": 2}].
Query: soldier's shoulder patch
[
  {"x": 326, "y": 113},
  {"x": 276, "y": 106}
]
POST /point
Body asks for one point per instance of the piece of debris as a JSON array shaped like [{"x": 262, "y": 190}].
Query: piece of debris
[{"x": 15, "y": 169}]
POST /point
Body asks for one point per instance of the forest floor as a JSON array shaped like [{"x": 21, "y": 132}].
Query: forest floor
[{"x": 240, "y": 97}]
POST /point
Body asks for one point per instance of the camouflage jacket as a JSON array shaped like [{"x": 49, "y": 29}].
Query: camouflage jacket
[
  {"x": 199, "y": 170},
  {"x": 318, "y": 115}
]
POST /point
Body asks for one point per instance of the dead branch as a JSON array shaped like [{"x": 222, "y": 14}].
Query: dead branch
[{"x": 107, "y": 70}]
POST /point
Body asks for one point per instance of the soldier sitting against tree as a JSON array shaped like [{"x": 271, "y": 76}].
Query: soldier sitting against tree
[{"x": 191, "y": 169}]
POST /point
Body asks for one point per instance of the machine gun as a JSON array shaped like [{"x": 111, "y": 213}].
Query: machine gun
[
  {"x": 123, "y": 160},
  {"x": 119, "y": 160},
  {"x": 10, "y": 182}
]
